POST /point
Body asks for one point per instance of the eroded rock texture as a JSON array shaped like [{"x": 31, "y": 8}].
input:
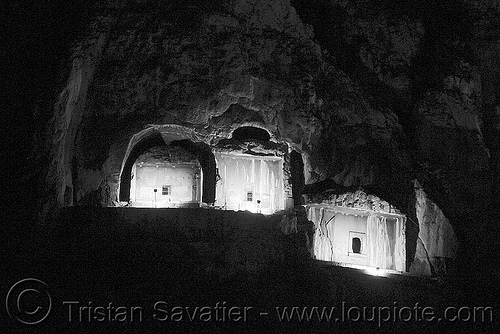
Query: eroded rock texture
[
  {"x": 382, "y": 93},
  {"x": 436, "y": 244}
]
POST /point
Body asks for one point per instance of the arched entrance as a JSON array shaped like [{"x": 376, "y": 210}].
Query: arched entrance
[
  {"x": 168, "y": 138},
  {"x": 151, "y": 140}
]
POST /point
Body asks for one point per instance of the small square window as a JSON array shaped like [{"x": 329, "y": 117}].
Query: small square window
[
  {"x": 250, "y": 196},
  {"x": 166, "y": 190}
]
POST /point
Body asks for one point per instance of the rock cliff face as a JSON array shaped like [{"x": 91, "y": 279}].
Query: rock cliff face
[
  {"x": 436, "y": 243},
  {"x": 379, "y": 95}
]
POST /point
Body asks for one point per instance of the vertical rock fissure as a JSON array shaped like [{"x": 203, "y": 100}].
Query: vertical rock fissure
[
  {"x": 433, "y": 271},
  {"x": 324, "y": 225}
]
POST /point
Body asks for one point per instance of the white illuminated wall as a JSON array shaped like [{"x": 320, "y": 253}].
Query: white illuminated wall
[
  {"x": 184, "y": 181},
  {"x": 382, "y": 235},
  {"x": 247, "y": 179}
]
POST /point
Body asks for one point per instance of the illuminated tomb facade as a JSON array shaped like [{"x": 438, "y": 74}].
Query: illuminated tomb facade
[
  {"x": 247, "y": 182},
  {"x": 251, "y": 172},
  {"x": 356, "y": 229},
  {"x": 171, "y": 166},
  {"x": 140, "y": 79},
  {"x": 166, "y": 177}
]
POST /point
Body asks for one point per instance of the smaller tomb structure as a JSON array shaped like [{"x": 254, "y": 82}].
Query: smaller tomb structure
[{"x": 357, "y": 229}]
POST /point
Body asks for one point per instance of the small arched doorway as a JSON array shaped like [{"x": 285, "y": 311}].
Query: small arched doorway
[{"x": 356, "y": 245}]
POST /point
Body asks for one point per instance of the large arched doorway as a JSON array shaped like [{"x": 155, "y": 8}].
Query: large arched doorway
[
  {"x": 152, "y": 140},
  {"x": 155, "y": 146}
]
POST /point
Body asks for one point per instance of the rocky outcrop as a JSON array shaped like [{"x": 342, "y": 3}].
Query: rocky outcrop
[
  {"x": 358, "y": 199},
  {"x": 254, "y": 61},
  {"x": 224, "y": 243},
  {"x": 436, "y": 244},
  {"x": 378, "y": 96},
  {"x": 450, "y": 141},
  {"x": 487, "y": 43},
  {"x": 65, "y": 125}
]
